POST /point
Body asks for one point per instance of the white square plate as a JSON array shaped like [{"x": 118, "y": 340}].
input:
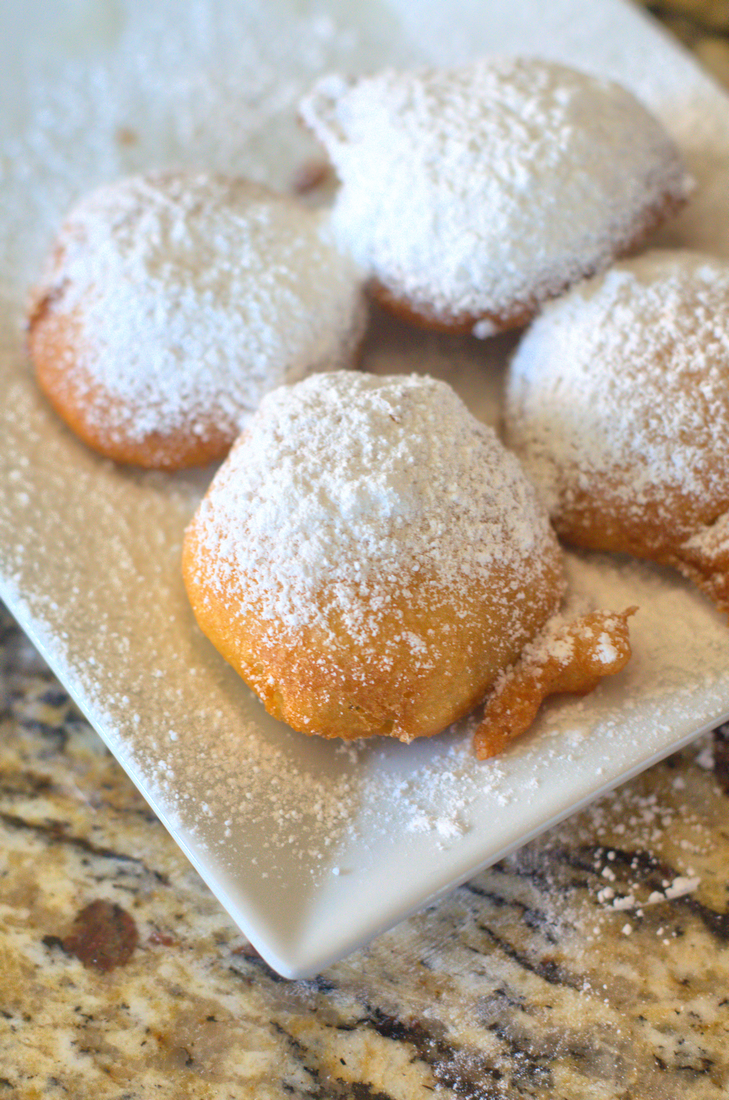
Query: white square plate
[{"x": 313, "y": 848}]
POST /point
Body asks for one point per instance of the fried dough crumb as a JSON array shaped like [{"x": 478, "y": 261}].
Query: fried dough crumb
[{"x": 566, "y": 657}]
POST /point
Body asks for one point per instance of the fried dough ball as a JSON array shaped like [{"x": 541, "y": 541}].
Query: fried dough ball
[
  {"x": 470, "y": 195},
  {"x": 370, "y": 557},
  {"x": 617, "y": 402},
  {"x": 172, "y": 302}
]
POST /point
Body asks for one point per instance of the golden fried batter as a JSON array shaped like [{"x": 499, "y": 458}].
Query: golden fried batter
[
  {"x": 571, "y": 657},
  {"x": 471, "y": 195},
  {"x": 617, "y": 403},
  {"x": 172, "y": 302},
  {"x": 369, "y": 557}
]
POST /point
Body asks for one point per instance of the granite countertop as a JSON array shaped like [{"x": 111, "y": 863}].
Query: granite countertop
[{"x": 591, "y": 965}]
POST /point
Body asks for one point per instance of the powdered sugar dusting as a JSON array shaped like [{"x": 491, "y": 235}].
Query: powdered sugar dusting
[
  {"x": 193, "y": 295},
  {"x": 479, "y": 189},
  {"x": 90, "y": 554},
  {"x": 620, "y": 388},
  {"x": 349, "y": 486},
  {"x": 558, "y": 639}
]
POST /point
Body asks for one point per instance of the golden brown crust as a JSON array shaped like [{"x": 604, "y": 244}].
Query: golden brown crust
[
  {"x": 603, "y": 519},
  {"x": 426, "y": 316},
  {"x": 172, "y": 302},
  {"x": 579, "y": 655},
  {"x": 673, "y": 529},
  {"x": 56, "y": 345},
  {"x": 681, "y": 529},
  {"x": 350, "y": 691},
  {"x": 704, "y": 559}
]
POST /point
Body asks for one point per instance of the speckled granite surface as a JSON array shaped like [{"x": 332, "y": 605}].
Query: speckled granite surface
[{"x": 592, "y": 965}]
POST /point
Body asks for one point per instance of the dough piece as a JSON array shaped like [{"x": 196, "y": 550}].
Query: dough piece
[
  {"x": 567, "y": 657},
  {"x": 473, "y": 194},
  {"x": 172, "y": 302},
  {"x": 617, "y": 401},
  {"x": 370, "y": 557}
]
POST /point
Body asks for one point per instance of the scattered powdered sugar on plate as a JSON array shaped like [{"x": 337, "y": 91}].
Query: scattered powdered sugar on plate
[{"x": 117, "y": 89}]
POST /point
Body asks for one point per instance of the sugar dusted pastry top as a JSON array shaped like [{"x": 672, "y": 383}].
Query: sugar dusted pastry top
[
  {"x": 617, "y": 401},
  {"x": 621, "y": 388},
  {"x": 477, "y": 192},
  {"x": 369, "y": 557},
  {"x": 357, "y": 483},
  {"x": 176, "y": 300}
]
